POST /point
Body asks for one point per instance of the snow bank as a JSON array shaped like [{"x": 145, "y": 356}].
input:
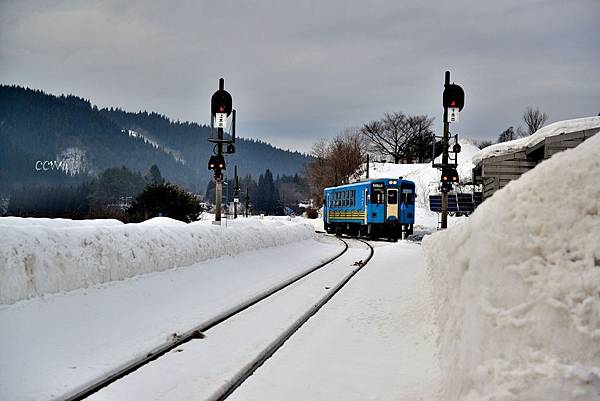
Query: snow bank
[
  {"x": 55, "y": 223},
  {"x": 557, "y": 128},
  {"x": 517, "y": 287},
  {"x": 44, "y": 256}
]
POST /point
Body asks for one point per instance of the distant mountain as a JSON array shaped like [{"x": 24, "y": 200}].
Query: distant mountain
[
  {"x": 39, "y": 132},
  {"x": 189, "y": 142}
]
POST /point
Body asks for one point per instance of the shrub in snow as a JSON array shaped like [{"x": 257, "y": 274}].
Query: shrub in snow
[
  {"x": 44, "y": 256},
  {"x": 517, "y": 287}
]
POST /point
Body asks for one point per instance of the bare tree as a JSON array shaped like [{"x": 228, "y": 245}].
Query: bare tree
[
  {"x": 534, "y": 119},
  {"x": 507, "y": 135},
  {"x": 346, "y": 153},
  {"x": 389, "y": 136},
  {"x": 420, "y": 129},
  {"x": 335, "y": 161},
  {"x": 318, "y": 173}
]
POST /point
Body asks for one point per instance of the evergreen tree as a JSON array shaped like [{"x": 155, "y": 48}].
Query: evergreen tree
[
  {"x": 167, "y": 200},
  {"x": 154, "y": 177}
]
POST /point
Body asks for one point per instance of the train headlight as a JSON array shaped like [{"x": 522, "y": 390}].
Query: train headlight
[{"x": 393, "y": 182}]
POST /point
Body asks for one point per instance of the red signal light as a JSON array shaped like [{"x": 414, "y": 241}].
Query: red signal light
[{"x": 453, "y": 103}]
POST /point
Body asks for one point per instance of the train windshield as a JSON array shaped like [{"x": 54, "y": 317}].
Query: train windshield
[
  {"x": 377, "y": 193},
  {"x": 408, "y": 196}
]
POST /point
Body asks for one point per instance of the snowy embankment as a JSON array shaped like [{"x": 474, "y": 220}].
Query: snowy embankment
[
  {"x": 45, "y": 256},
  {"x": 517, "y": 287}
]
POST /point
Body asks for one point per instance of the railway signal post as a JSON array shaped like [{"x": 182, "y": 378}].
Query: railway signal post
[
  {"x": 453, "y": 100},
  {"x": 221, "y": 109},
  {"x": 236, "y": 192}
]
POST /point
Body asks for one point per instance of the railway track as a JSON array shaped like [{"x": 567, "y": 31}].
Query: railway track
[
  {"x": 198, "y": 332},
  {"x": 269, "y": 351}
]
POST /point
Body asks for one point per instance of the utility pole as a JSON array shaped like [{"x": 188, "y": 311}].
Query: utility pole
[
  {"x": 247, "y": 202},
  {"x": 445, "y": 146},
  {"x": 221, "y": 108}
]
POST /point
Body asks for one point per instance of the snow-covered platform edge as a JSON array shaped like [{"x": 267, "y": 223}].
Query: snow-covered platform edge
[{"x": 46, "y": 256}]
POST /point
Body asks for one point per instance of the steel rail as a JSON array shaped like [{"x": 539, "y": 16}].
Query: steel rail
[{"x": 241, "y": 376}]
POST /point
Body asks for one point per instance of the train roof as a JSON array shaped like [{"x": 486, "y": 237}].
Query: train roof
[{"x": 360, "y": 183}]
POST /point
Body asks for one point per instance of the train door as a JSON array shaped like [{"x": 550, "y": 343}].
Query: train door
[
  {"x": 327, "y": 206},
  {"x": 377, "y": 203},
  {"x": 365, "y": 204},
  {"x": 391, "y": 211}
]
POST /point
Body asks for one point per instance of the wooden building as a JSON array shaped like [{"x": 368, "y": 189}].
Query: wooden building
[{"x": 495, "y": 172}]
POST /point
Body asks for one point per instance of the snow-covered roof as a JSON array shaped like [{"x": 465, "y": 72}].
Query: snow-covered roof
[{"x": 557, "y": 128}]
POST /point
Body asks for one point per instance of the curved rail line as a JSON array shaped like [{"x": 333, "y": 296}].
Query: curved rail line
[
  {"x": 229, "y": 388},
  {"x": 197, "y": 332}
]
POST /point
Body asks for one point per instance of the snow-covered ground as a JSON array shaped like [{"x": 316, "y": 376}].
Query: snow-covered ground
[
  {"x": 45, "y": 256},
  {"x": 52, "y": 345},
  {"x": 375, "y": 340},
  {"x": 203, "y": 369},
  {"x": 517, "y": 287}
]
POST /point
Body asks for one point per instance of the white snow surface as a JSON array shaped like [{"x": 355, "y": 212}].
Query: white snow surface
[
  {"x": 52, "y": 346},
  {"x": 517, "y": 287},
  {"x": 200, "y": 370},
  {"x": 375, "y": 340},
  {"x": 557, "y": 128},
  {"x": 45, "y": 256}
]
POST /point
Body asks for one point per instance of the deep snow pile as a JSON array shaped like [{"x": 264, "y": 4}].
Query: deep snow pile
[
  {"x": 44, "y": 256},
  {"x": 560, "y": 127},
  {"x": 517, "y": 287}
]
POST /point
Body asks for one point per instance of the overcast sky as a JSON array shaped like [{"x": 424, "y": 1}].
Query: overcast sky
[{"x": 299, "y": 71}]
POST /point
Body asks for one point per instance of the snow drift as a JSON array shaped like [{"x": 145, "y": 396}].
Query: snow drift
[
  {"x": 517, "y": 287},
  {"x": 44, "y": 256}
]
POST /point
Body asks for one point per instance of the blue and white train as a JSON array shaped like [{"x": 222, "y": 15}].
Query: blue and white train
[{"x": 379, "y": 208}]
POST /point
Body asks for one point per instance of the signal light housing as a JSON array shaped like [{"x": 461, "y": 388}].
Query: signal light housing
[
  {"x": 221, "y": 102},
  {"x": 454, "y": 96},
  {"x": 216, "y": 162},
  {"x": 449, "y": 175}
]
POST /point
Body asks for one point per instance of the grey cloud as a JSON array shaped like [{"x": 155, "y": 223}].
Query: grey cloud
[{"x": 299, "y": 71}]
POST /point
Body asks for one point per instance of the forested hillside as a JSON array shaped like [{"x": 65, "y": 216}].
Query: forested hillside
[
  {"x": 36, "y": 127},
  {"x": 189, "y": 141}
]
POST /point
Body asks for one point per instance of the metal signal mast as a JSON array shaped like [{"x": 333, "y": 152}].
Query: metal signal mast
[{"x": 221, "y": 109}]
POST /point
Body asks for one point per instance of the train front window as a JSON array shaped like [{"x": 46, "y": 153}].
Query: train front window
[
  {"x": 408, "y": 197},
  {"x": 377, "y": 193}
]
